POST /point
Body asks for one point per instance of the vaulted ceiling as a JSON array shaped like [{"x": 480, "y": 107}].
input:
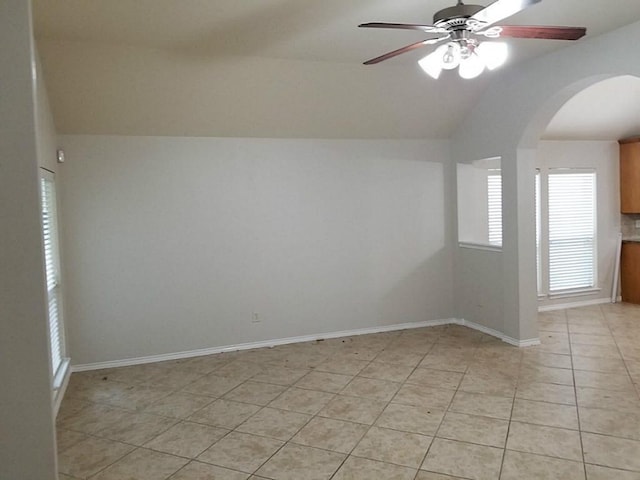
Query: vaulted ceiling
[{"x": 112, "y": 65}]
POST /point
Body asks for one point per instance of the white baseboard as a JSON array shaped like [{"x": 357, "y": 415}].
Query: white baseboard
[
  {"x": 305, "y": 338},
  {"x": 61, "y": 385},
  {"x": 495, "y": 333},
  {"x": 583, "y": 303},
  {"x": 262, "y": 344}
]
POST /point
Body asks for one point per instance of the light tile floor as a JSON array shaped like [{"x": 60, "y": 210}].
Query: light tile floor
[{"x": 428, "y": 404}]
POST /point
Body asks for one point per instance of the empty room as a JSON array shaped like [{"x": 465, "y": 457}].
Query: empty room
[{"x": 289, "y": 240}]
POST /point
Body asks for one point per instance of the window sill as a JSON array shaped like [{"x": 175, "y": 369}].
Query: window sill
[
  {"x": 480, "y": 246},
  {"x": 571, "y": 293}
]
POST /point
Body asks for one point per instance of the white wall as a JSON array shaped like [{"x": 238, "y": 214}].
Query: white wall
[
  {"x": 26, "y": 412},
  {"x": 123, "y": 90},
  {"x": 176, "y": 241},
  {"x": 604, "y": 158}
]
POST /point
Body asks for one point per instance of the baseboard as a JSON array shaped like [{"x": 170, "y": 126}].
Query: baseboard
[
  {"x": 495, "y": 333},
  {"x": 583, "y": 303},
  {"x": 262, "y": 344},
  {"x": 59, "y": 392}
]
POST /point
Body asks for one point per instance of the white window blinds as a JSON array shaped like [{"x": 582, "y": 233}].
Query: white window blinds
[
  {"x": 572, "y": 229},
  {"x": 52, "y": 263},
  {"x": 494, "y": 196}
]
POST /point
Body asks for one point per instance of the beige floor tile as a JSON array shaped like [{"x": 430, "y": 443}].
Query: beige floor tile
[
  {"x": 68, "y": 438},
  {"x": 94, "y": 418},
  {"x": 203, "y": 471},
  {"x": 534, "y": 357},
  {"x": 371, "y": 388},
  {"x": 598, "y": 351},
  {"x": 474, "y": 429},
  {"x": 595, "y": 472},
  {"x": 610, "y": 422},
  {"x": 590, "y": 339},
  {"x": 302, "y": 401},
  {"x": 589, "y": 329},
  {"x": 178, "y": 405},
  {"x": 475, "y": 462},
  {"x": 224, "y": 413},
  {"x": 240, "y": 451},
  {"x": 204, "y": 364},
  {"x": 186, "y": 439},
  {"x": 62, "y": 476},
  {"x": 543, "y": 413},
  {"x": 324, "y": 381},
  {"x": 356, "y": 468},
  {"x": 424, "y": 475},
  {"x": 392, "y": 372},
  {"x": 295, "y": 462},
  {"x": 541, "y": 440},
  {"x": 212, "y": 385},
  {"x": 137, "y": 428},
  {"x": 172, "y": 378},
  {"x": 400, "y": 356},
  {"x": 137, "y": 397},
  {"x": 256, "y": 393},
  {"x": 604, "y": 365},
  {"x": 424, "y": 396},
  {"x": 70, "y": 407},
  {"x": 330, "y": 434},
  {"x": 353, "y": 409},
  {"x": 435, "y": 378},
  {"x": 611, "y": 452},
  {"x": 607, "y": 399},
  {"x": 408, "y": 418},
  {"x": 605, "y": 381},
  {"x": 484, "y": 405},
  {"x": 271, "y": 422},
  {"x": 280, "y": 375},
  {"x": 143, "y": 465},
  {"x": 239, "y": 369},
  {"x": 392, "y": 446},
  {"x": 547, "y": 392},
  {"x": 497, "y": 384},
  {"x": 526, "y": 466},
  {"x": 90, "y": 456},
  {"x": 452, "y": 362},
  {"x": 342, "y": 365},
  {"x": 538, "y": 373}
]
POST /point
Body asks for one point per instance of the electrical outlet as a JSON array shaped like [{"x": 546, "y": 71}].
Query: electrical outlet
[{"x": 255, "y": 317}]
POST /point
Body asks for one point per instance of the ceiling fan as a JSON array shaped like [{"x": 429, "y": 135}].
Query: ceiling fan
[{"x": 460, "y": 26}]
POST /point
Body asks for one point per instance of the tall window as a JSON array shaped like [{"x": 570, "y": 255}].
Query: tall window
[
  {"x": 566, "y": 230},
  {"x": 494, "y": 204},
  {"x": 572, "y": 229},
  {"x": 52, "y": 263}
]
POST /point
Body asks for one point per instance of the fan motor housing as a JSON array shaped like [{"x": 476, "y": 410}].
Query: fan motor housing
[{"x": 450, "y": 14}]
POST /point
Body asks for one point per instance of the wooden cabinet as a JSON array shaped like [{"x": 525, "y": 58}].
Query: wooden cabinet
[
  {"x": 630, "y": 175},
  {"x": 630, "y": 272}
]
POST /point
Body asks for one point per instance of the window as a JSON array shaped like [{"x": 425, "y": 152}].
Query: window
[
  {"x": 52, "y": 267},
  {"x": 494, "y": 205},
  {"x": 566, "y": 230},
  {"x": 572, "y": 226}
]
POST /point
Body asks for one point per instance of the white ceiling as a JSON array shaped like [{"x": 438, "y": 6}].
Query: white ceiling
[
  {"x": 86, "y": 45},
  {"x": 323, "y": 30},
  {"x": 608, "y": 110}
]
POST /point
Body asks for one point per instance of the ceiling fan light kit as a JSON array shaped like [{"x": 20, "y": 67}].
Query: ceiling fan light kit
[{"x": 460, "y": 25}]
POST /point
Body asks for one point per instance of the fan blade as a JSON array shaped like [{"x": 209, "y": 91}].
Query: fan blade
[
  {"x": 550, "y": 33},
  {"x": 406, "y": 49},
  {"x": 500, "y": 10},
  {"x": 404, "y": 26}
]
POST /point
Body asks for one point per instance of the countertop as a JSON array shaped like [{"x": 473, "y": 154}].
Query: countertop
[{"x": 634, "y": 239}]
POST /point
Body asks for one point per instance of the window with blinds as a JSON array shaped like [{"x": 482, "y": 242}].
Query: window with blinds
[
  {"x": 52, "y": 264},
  {"x": 572, "y": 229},
  {"x": 494, "y": 205}
]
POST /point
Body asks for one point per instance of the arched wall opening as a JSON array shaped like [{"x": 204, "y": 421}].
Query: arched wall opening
[{"x": 508, "y": 122}]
